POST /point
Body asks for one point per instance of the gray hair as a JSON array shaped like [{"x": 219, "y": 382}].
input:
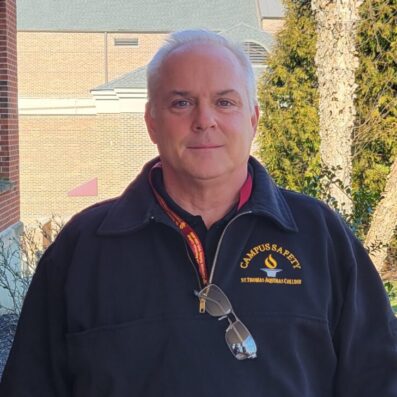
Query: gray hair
[{"x": 199, "y": 36}]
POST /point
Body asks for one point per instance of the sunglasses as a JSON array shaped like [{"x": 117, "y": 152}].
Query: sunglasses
[{"x": 238, "y": 338}]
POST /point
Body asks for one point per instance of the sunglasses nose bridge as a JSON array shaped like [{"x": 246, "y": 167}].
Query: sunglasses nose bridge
[{"x": 232, "y": 317}]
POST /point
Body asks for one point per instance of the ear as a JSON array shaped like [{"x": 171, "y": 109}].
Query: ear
[
  {"x": 150, "y": 122},
  {"x": 255, "y": 118}
]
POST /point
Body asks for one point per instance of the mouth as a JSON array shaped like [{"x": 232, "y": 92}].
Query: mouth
[{"x": 204, "y": 147}]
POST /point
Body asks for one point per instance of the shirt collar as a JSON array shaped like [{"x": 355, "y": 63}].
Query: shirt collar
[
  {"x": 136, "y": 207},
  {"x": 158, "y": 183}
]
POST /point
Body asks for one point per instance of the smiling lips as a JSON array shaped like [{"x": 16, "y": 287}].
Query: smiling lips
[{"x": 201, "y": 147}]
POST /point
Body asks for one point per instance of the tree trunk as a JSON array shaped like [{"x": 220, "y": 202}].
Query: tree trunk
[
  {"x": 384, "y": 222},
  {"x": 336, "y": 63}
]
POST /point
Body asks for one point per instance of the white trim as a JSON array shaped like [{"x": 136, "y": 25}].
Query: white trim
[
  {"x": 119, "y": 100},
  {"x": 56, "y": 106}
]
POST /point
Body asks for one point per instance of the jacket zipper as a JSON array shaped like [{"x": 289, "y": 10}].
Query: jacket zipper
[
  {"x": 202, "y": 301},
  {"x": 220, "y": 242}
]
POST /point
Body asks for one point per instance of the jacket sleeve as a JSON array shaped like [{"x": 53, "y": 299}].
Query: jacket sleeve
[
  {"x": 366, "y": 334},
  {"x": 37, "y": 364}
]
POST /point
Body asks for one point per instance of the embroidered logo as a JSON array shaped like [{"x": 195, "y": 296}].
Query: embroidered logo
[
  {"x": 280, "y": 265},
  {"x": 270, "y": 267}
]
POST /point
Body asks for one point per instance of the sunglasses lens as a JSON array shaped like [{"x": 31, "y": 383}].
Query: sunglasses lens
[
  {"x": 240, "y": 341},
  {"x": 216, "y": 302}
]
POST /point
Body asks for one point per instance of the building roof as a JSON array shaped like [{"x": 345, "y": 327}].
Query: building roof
[
  {"x": 242, "y": 33},
  {"x": 135, "y": 15},
  {"x": 137, "y": 80},
  {"x": 134, "y": 79},
  {"x": 239, "y": 33},
  {"x": 271, "y": 8}
]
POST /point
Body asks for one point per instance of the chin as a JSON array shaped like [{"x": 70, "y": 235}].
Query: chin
[{"x": 208, "y": 173}]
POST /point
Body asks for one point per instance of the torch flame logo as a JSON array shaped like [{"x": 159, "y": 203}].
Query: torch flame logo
[{"x": 270, "y": 262}]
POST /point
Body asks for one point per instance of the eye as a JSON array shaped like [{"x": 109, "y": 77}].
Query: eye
[
  {"x": 180, "y": 104},
  {"x": 225, "y": 103}
]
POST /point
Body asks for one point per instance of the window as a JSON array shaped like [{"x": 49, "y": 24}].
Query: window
[
  {"x": 256, "y": 53},
  {"x": 126, "y": 41}
]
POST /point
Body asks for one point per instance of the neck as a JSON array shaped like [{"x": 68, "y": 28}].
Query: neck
[{"x": 211, "y": 199}]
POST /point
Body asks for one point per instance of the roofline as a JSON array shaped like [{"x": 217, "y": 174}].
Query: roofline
[
  {"x": 104, "y": 31},
  {"x": 98, "y": 31}
]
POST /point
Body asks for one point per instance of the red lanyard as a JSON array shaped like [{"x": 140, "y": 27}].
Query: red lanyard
[{"x": 188, "y": 233}]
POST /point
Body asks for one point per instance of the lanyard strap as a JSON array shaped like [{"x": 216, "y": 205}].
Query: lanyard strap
[{"x": 187, "y": 231}]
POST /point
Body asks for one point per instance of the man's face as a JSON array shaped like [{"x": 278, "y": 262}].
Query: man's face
[{"x": 200, "y": 118}]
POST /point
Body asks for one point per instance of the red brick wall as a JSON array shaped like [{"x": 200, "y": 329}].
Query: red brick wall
[{"x": 9, "y": 155}]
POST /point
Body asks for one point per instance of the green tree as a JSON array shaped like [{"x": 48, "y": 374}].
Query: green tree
[
  {"x": 375, "y": 139},
  {"x": 376, "y": 102},
  {"x": 288, "y": 132},
  {"x": 289, "y": 128}
]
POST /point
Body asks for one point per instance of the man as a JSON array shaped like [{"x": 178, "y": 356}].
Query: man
[{"x": 204, "y": 278}]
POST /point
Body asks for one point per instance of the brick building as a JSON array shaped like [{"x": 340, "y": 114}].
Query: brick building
[
  {"x": 82, "y": 88},
  {"x": 10, "y": 226}
]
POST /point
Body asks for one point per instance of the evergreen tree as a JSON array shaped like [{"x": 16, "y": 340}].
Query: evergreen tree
[
  {"x": 375, "y": 140},
  {"x": 288, "y": 130}
]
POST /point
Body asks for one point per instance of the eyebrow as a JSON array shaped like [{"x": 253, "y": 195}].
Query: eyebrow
[
  {"x": 188, "y": 93},
  {"x": 179, "y": 93},
  {"x": 229, "y": 91}
]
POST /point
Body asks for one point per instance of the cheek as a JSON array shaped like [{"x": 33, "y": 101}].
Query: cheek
[
  {"x": 240, "y": 132},
  {"x": 175, "y": 125},
  {"x": 169, "y": 140}
]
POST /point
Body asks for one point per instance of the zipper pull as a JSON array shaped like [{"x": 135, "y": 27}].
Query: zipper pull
[{"x": 202, "y": 306}]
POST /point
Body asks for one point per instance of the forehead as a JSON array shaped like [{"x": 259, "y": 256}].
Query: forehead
[
  {"x": 193, "y": 64},
  {"x": 213, "y": 51}
]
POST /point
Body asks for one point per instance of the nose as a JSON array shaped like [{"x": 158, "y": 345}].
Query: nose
[{"x": 204, "y": 118}]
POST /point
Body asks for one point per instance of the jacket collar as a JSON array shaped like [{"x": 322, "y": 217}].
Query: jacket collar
[
  {"x": 136, "y": 207},
  {"x": 268, "y": 200}
]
